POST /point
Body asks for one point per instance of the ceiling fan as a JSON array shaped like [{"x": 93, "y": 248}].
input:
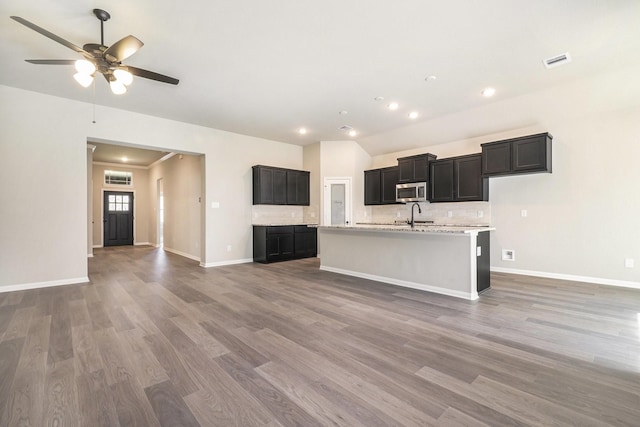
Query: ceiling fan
[{"x": 107, "y": 60}]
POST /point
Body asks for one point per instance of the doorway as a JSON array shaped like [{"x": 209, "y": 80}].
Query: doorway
[
  {"x": 337, "y": 201},
  {"x": 118, "y": 218}
]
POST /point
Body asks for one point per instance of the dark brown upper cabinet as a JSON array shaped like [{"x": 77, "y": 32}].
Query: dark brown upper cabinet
[
  {"x": 527, "y": 154},
  {"x": 279, "y": 186},
  {"x": 380, "y": 186},
  {"x": 458, "y": 179},
  {"x": 414, "y": 168}
]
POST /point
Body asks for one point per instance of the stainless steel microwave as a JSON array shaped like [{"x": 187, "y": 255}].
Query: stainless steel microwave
[{"x": 411, "y": 192}]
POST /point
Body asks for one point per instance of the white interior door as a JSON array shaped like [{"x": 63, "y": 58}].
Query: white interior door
[{"x": 337, "y": 201}]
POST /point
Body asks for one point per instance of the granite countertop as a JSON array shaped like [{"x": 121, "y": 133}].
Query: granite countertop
[
  {"x": 419, "y": 228},
  {"x": 284, "y": 224}
]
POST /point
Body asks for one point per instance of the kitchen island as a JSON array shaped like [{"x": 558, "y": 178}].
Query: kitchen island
[{"x": 446, "y": 259}]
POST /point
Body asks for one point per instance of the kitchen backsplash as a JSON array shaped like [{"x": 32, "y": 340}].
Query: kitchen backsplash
[
  {"x": 275, "y": 214},
  {"x": 441, "y": 213},
  {"x": 460, "y": 213}
]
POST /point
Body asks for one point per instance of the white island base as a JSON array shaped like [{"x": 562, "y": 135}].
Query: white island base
[{"x": 451, "y": 263}]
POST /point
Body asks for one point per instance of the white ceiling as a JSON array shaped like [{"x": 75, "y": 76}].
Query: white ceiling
[
  {"x": 266, "y": 68},
  {"x": 110, "y": 153}
]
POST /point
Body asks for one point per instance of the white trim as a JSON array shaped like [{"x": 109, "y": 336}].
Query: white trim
[
  {"x": 89, "y": 255},
  {"x": 162, "y": 159},
  {"x": 571, "y": 277},
  {"x": 471, "y": 296},
  {"x": 142, "y": 244},
  {"x": 48, "y": 284},
  {"x": 223, "y": 263},
  {"x": 97, "y": 246},
  {"x": 121, "y": 166},
  {"x": 184, "y": 254}
]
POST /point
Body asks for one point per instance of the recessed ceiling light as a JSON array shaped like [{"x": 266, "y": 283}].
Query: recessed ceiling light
[
  {"x": 343, "y": 112},
  {"x": 488, "y": 92},
  {"x": 430, "y": 78},
  {"x": 393, "y": 106},
  {"x": 125, "y": 160},
  {"x": 379, "y": 98},
  {"x": 413, "y": 115},
  {"x": 352, "y": 132},
  {"x": 302, "y": 131}
]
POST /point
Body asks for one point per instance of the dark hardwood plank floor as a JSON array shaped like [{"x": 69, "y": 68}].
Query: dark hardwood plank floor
[{"x": 155, "y": 340}]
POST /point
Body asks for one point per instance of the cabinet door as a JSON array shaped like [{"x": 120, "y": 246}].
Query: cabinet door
[
  {"x": 297, "y": 187},
  {"x": 279, "y": 187},
  {"x": 530, "y": 154},
  {"x": 389, "y": 177},
  {"x": 406, "y": 170},
  {"x": 372, "y": 189},
  {"x": 421, "y": 169},
  {"x": 269, "y": 186},
  {"x": 469, "y": 184},
  {"x": 279, "y": 247},
  {"x": 441, "y": 181},
  {"x": 305, "y": 242},
  {"x": 496, "y": 159}
]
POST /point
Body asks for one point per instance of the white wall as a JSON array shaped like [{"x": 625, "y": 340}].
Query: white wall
[
  {"x": 43, "y": 188},
  {"x": 345, "y": 159},
  {"x": 43, "y": 232},
  {"x": 181, "y": 177}
]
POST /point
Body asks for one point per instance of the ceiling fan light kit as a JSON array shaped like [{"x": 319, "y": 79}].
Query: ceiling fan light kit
[{"x": 107, "y": 60}]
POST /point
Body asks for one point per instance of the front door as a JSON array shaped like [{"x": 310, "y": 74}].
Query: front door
[{"x": 118, "y": 218}]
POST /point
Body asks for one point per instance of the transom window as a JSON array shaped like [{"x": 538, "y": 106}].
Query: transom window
[
  {"x": 117, "y": 177},
  {"x": 118, "y": 202}
]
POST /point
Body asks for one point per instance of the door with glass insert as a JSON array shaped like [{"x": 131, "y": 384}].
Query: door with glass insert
[
  {"x": 118, "y": 218},
  {"x": 337, "y": 201}
]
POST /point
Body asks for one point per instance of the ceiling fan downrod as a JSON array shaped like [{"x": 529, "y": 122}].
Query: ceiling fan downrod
[{"x": 103, "y": 16}]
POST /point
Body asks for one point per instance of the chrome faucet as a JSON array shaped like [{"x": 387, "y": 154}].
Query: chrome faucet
[{"x": 419, "y": 211}]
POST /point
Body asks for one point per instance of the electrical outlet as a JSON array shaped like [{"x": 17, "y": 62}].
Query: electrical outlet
[
  {"x": 523, "y": 213},
  {"x": 449, "y": 214},
  {"x": 629, "y": 262},
  {"x": 228, "y": 248},
  {"x": 480, "y": 214},
  {"x": 508, "y": 255}
]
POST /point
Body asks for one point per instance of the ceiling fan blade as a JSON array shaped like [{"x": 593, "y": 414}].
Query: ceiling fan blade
[
  {"x": 151, "y": 75},
  {"x": 122, "y": 49},
  {"x": 50, "y": 35},
  {"x": 51, "y": 61}
]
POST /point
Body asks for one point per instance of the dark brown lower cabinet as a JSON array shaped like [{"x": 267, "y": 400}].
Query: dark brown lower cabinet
[{"x": 272, "y": 243}]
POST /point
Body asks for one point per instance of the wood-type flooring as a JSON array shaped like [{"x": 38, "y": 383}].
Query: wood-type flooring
[{"x": 156, "y": 340}]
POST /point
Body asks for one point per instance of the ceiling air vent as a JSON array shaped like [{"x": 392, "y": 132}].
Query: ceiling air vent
[
  {"x": 345, "y": 128},
  {"x": 558, "y": 60}
]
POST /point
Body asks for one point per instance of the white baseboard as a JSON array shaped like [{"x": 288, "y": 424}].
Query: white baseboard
[
  {"x": 97, "y": 246},
  {"x": 570, "y": 277},
  {"x": 89, "y": 255},
  {"x": 184, "y": 254},
  {"x": 38, "y": 285},
  {"x": 403, "y": 283},
  {"x": 142, "y": 244},
  {"x": 223, "y": 263}
]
